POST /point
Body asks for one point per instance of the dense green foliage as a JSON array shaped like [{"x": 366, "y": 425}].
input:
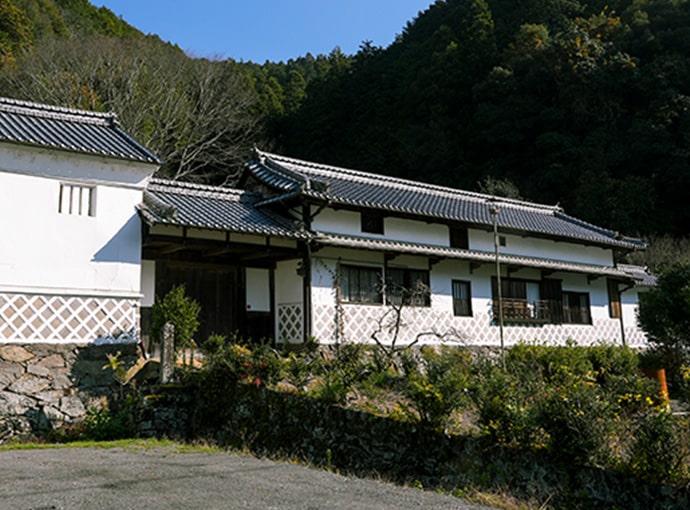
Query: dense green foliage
[
  {"x": 664, "y": 315},
  {"x": 665, "y": 310},
  {"x": 181, "y": 311},
  {"x": 579, "y": 102},
  {"x": 575, "y": 407}
]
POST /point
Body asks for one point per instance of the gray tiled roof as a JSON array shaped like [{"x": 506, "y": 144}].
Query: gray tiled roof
[
  {"x": 340, "y": 186},
  {"x": 214, "y": 208},
  {"x": 70, "y": 130},
  {"x": 367, "y": 243},
  {"x": 640, "y": 273}
]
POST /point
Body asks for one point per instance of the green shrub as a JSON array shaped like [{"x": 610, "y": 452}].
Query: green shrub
[
  {"x": 440, "y": 385},
  {"x": 659, "y": 449},
  {"x": 508, "y": 407},
  {"x": 330, "y": 389},
  {"x": 104, "y": 424},
  {"x": 179, "y": 310},
  {"x": 233, "y": 361},
  {"x": 579, "y": 419}
]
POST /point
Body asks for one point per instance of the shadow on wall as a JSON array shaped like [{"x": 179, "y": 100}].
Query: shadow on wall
[
  {"x": 124, "y": 246},
  {"x": 92, "y": 375}
]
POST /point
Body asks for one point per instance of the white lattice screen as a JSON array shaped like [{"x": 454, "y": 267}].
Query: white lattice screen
[
  {"x": 290, "y": 323},
  {"x": 55, "y": 318}
]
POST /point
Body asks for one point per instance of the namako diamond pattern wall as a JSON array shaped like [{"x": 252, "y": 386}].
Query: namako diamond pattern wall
[
  {"x": 356, "y": 323},
  {"x": 290, "y": 323},
  {"x": 59, "y": 318}
]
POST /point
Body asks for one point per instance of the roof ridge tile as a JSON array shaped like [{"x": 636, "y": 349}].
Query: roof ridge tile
[
  {"x": 416, "y": 185},
  {"x": 56, "y": 112}
]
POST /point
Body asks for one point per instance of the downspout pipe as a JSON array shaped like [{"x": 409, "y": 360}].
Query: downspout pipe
[
  {"x": 306, "y": 279},
  {"x": 620, "y": 318}
]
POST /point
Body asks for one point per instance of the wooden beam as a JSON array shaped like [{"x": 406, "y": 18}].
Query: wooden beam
[{"x": 173, "y": 248}]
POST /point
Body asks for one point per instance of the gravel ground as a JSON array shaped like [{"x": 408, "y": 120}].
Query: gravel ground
[{"x": 161, "y": 478}]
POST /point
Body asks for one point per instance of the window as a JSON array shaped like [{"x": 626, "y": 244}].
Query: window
[
  {"x": 462, "y": 299},
  {"x": 76, "y": 200},
  {"x": 407, "y": 286},
  {"x": 614, "y": 299},
  {"x": 576, "y": 308},
  {"x": 360, "y": 284},
  {"x": 372, "y": 222},
  {"x": 458, "y": 237}
]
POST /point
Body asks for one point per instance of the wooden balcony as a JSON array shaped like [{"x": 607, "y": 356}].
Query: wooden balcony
[{"x": 521, "y": 310}]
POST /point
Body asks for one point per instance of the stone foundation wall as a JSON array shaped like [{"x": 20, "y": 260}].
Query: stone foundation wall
[{"x": 47, "y": 386}]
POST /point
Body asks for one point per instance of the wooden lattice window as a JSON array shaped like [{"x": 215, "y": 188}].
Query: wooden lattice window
[{"x": 77, "y": 200}]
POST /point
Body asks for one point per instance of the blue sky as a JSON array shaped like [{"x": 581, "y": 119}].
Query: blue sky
[{"x": 275, "y": 30}]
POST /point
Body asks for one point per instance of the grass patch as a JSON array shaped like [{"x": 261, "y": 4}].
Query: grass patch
[{"x": 127, "y": 444}]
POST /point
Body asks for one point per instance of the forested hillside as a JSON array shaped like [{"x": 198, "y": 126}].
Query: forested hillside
[{"x": 582, "y": 103}]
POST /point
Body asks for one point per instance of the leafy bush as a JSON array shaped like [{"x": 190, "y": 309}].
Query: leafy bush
[
  {"x": 179, "y": 310},
  {"x": 104, "y": 424},
  {"x": 664, "y": 314},
  {"x": 507, "y": 406},
  {"x": 579, "y": 419},
  {"x": 234, "y": 361},
  {"x": 440, "y": 386},
  {"x": 659, "y": 449},
  {"x": 338, "y": 373}
]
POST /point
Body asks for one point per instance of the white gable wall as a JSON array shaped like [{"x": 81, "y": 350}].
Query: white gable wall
[{"x": 68, "y": 277}]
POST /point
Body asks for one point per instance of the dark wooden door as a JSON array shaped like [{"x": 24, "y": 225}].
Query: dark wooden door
[{"x": 215, "y": 288}]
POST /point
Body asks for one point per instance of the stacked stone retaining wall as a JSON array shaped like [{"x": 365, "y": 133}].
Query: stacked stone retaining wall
[{"x": 44, "y": 387}]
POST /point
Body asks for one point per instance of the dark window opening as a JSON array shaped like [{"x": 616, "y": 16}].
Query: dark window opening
[
  {"x": 408, "y": 287},
  {"x": 360, "y": 284},
  {"x": 528, "y": 301},
  {"x": 372, "y": 223},
  {"x": 459, "y": 237},
  {"x": 576, "y": 308},
  {"x": 462, "y": 299}
]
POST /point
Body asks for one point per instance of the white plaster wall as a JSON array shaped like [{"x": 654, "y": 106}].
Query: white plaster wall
[
  {"x": 399, "y": 229},
  {"x": 349, "y": 223},
  {"x": 69, "y": 166},
  {"x": 541, "y": 248},
  {"x": 148, "y": 282},
  {"x": 479, "y": 329},
  {"x": 258, "y": 290},
  {"x": 42, "y": 250},
  {"x": 288, "y": 282},
  {"x": 289, "y": 303}
]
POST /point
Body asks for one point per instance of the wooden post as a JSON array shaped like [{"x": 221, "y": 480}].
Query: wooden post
[{"x": 167, "y": 353}]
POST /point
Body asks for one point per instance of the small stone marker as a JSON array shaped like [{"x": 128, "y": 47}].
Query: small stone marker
[{"x": 167, "y": 353}]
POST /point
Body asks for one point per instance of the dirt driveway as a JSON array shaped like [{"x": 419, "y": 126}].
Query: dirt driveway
[{"x": 164, "y": 478}]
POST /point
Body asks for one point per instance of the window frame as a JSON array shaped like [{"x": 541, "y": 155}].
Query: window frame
[
  {"x": 351, "y": 289},
  {"x": 462, "y": 307},
  {"x": 402, "y": 290},
  {"x": 371, "y": 222},
  {"x": 519, "y": 308},
  {"x": 568, "y": 307},
  {"x": 458, "y": 237},
  {"x": 614, "y": 298},
  {"x": 72, "y": 202}
]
